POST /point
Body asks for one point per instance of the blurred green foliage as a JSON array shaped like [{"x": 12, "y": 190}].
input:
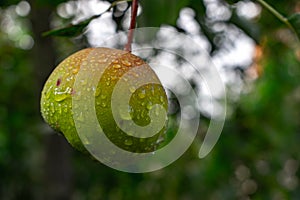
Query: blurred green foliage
[
  {"x": 257, "y": 156},
  {"x": 19, "y": 141},
  {"x": 295, "y": 21}
]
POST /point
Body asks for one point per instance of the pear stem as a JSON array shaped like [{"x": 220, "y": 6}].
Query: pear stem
[{"x": 134, "y": 9}]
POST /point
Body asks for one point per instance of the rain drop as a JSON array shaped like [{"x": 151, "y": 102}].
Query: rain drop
[
  {"x": 103, "y": 60},
  {"x": 80, "y": 117},
  {"x": 60, "y": 96},
  {"x": 152, "y": 90},
  {"x": 115, "y": 61},
  {"x": 126, "y": 63},
  {"x": 108, "y": 81},
  {"x": 142, "y": 94},
  {"x": 84, "y": 63},
  {"x": 85, "y": 140},
  {"x": 128, "y": 142},
  {"x": 59, "y": 108},
  {"x": 142, "y": 139},
  {"x": 97, "y": 93},
  {"x": 160, "y": 140},
  {"x": 117, "y": 66},
  {"x": 157, "y": 111},
  {"x": 83, "y": 82},
  {"x": 161, "y": 99},
  {"x": 124, "y": 114},
  {"x": 75, "y": 71},
  {"x": 132, "y": 89},
  {"x": 48, "y": 93},
  {"x": 52, "y": 108},
  {"x": 103, "y": 96},
  {"x": 138, "y": 63},
  {"x": 149, "y": 105}
]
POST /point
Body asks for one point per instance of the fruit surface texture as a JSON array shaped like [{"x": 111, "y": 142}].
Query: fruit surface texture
[{"x": 114, "y": 68}]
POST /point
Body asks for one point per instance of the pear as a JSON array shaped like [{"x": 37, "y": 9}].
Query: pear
[{"x": 117, "y": 67}]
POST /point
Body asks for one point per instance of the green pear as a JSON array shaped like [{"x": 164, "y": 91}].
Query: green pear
[{"x": 115, "y": 66}]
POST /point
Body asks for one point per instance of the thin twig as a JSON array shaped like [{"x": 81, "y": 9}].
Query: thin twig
[
  {"x": 276, "y": 13},
  {"x": 134, "y": 9},
  {"x": 76, "y": 29}
]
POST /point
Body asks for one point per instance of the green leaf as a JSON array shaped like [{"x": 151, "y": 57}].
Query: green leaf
[
  {"x": 74, "y": 30},
  {"x": 295, "y": 22},
  {"x": 71, "y": 30}
]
